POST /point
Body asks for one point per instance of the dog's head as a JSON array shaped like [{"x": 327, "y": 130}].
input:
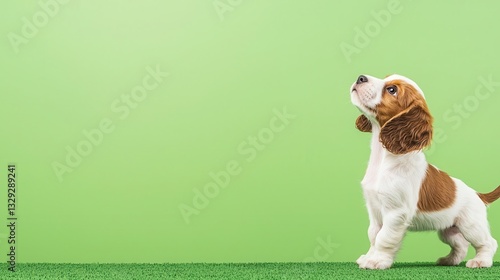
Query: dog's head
[{"x": 397, "y": 105}]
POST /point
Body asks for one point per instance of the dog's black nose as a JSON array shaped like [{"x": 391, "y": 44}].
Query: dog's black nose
[{"x": 362, "y": 79}]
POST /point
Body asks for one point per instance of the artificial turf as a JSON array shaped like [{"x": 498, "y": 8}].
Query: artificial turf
[{"x": 245, "y": 271}]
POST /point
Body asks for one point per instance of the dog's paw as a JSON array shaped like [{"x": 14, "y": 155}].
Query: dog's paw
[
  {"x": 376, "y": 262},
  {"x": 449, "y": 261},
  {"x": 478, "y": 262},
  {"x": 361, "y": 259}
]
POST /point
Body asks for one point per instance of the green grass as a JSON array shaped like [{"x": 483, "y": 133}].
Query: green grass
[{"x": 245, "y": 271}]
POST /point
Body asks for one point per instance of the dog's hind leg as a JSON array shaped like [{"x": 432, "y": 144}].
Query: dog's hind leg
[
  {"x": 459, "y": 246},
  {"x": 473, "y": 224}
]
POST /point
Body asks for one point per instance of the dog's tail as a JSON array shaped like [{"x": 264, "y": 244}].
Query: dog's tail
[{"x": 488, "y": 198}]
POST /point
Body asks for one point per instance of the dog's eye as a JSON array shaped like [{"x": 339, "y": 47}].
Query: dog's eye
[{"x": 393, "y": 90}]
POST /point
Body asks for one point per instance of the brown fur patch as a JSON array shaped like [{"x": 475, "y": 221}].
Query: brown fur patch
[
  {"x": 390, "y": 106},
  {"x": 363, "y": 124},
  {"x": 438, "y": 191},
  {"x": 409, "y": 131},
  {"x": 406, "y": 123},
  {"x": 488, "y": 198}
]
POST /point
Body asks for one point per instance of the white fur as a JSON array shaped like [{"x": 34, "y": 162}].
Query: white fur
[{"x": 391, "y": 188}]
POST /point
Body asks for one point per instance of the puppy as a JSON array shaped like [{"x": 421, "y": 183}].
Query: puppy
[{"x": 402, "y": 191}]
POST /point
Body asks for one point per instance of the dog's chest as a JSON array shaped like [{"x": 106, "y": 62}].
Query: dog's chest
[{"x": 394, "y": 181}]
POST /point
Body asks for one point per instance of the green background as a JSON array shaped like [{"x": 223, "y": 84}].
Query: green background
[{"x": 228, "y": 72}]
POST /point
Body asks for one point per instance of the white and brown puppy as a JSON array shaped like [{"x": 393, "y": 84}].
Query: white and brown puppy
[{"x": 402, "y": 191}]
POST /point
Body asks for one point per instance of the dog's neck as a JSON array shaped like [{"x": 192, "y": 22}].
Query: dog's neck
[{"x": 380, "y": 156}]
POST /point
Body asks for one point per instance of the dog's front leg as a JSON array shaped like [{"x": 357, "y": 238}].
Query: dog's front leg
[
  {"x": 373, "y": 230},
  {"x": 387, "y": 241}
]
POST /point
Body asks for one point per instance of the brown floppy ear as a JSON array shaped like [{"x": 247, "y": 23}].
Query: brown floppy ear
[
  {"x": 410, "y": 130},
  {"x": 363, "y": 124}
]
